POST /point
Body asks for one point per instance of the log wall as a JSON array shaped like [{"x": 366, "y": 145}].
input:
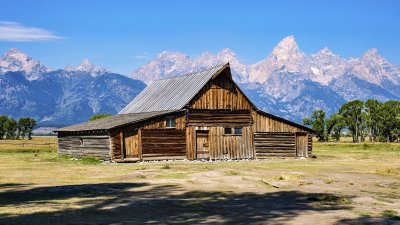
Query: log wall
[
  {"x": 263, "y": 123},
  {"x": 226, "y": 118},
  {"x": 272, "y": 144},
  {"x": 97, "y": 146}
]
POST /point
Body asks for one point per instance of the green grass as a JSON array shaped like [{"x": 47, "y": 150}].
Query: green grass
[{"x": 390, "y": 214}]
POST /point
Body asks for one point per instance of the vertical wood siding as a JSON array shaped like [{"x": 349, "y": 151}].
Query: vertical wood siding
[
  {"x": 264, "y": 123},
  {"x": 116, "y": 145},
  {"x": 163, "y": 143},
  {"x": 309, "y": 148},
  {"x": 222, "y": 146},
  {"x": 127, "y": 139},
  {"x": 220, "y": 93}
]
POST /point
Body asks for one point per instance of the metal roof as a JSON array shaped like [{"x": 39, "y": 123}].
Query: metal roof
[
  {"x": 113, "y": 121},
  {"x": 171, "y": 93},
  {"x": 163, "y": 97}
]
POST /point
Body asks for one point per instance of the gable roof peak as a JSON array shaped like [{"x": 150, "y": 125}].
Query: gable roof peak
[{"x": 172, "y": 93}]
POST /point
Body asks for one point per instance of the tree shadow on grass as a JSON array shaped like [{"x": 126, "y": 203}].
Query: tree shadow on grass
[
  {"x": 13, "y": 185},
  {"x": 367, "y": 220},
  {"x": 142, "y": 203}
]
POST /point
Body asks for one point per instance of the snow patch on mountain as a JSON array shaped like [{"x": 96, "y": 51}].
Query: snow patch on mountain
[
  {"x": 15, "y": 60},
  {"x": 87, "y": 67}
]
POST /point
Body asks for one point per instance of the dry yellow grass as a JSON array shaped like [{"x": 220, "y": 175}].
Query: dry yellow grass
[
  {"x": 38, "y": 143},
  {"x": 38, "y": 186}
]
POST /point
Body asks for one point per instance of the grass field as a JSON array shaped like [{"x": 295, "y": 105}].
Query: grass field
[{"x": 346, "y": 184}]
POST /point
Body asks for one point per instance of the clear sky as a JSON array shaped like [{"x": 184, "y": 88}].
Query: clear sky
[{"x": 124, "y": 34}]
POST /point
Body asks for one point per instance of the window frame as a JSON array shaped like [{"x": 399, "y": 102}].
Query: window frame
[
  {"x": 233, "y": 131},
  {"x": 169, "y": 120}
]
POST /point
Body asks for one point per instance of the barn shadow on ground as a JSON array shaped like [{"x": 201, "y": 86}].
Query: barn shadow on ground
[{"x": 142, "y": 203}]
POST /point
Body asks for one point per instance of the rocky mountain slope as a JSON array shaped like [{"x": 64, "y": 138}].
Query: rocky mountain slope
[
  {"x": 289, "y": 82},
  {"x": 64, "y": 96}
]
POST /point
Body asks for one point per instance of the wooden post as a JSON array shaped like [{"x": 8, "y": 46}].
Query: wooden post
[
  {"x": 140, "y": 144},
  {"x": 121, "y": 135}
]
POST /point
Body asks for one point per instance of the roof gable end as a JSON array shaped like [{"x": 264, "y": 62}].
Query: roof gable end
[{"x": 171, "y": 93}]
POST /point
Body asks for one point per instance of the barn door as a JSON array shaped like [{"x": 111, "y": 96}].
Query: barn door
[
  {"x": 301, "y": 144},
  {"x": 202, "y": 144},
  {"x": 131, "y": 144}
]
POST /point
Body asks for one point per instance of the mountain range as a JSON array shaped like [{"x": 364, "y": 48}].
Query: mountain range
[
  {"x": 64, "y": 96},
  {"x": 288, "y": 82}
]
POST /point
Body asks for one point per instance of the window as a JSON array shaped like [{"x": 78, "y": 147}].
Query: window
[
  {"x": 238, "y": 130},
  {"x": 228, "y": 130},
  {"x": 233, "y": 131},
  {"x": 171, "y": 123}
]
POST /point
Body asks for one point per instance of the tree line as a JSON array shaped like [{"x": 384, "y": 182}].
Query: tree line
[
  {"x": 377, "y": 121},
  {"x": 13, "y": 129}
]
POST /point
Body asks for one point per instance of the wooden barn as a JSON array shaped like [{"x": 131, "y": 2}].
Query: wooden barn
[{"x": 200, "y": 116}]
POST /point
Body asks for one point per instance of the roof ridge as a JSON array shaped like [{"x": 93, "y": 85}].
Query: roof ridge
[{"x": 192, "y": 73}]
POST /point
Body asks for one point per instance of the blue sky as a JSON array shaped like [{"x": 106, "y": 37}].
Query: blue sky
[{"x": 122, "y": 35}]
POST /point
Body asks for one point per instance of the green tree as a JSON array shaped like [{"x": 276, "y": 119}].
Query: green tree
[
  {"x": 334, "y": 126},
  {"x": 372, "y": 109},
  {"x": 99, "y": 116},
  {"x": 25, "y": 126},
  {"x": 10, "y": 127},
  {"x": 352, "y": 115},
  {"x": 317, "y": 122},
  {"x": 3, "y": 119},
  {"x": 389, "y": 117}
]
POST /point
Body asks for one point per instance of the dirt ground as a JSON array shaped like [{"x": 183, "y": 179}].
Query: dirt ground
[{"x": 345, "y": 184}]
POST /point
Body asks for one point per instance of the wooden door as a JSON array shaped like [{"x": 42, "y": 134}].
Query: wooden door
[
  {"x": 202, "y": 144},
  {"x": 131, "y": 144},
  {"x": 301, "y": 144}
]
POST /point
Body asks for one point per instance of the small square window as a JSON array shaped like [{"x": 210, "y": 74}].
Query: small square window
[
  {"x": 171, "y": 123},
  {"x": 228, "y": 130},
  {"x": 238, "y": 130}
]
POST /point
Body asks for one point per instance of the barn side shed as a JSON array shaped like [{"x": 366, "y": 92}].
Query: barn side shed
[{"x": 202, "y": 115}]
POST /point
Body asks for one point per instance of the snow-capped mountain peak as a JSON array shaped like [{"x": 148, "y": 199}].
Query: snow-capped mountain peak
[
  {"x": 226, "y": 52},
  {"x": 16, "y": 60},
  {"x": 165, "y": 64},
  {"x": 373, "y": 68},
  {"x": 16, "y": 54},
  {"x": 285, "y": 47},
  {"x": 87, "y": 66},
  {"x": 325, "y": 52},
  {"x": 371, "y": 54},
  {"x": 286, "y": 56},
  {"x": 69, "y": 68}
]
